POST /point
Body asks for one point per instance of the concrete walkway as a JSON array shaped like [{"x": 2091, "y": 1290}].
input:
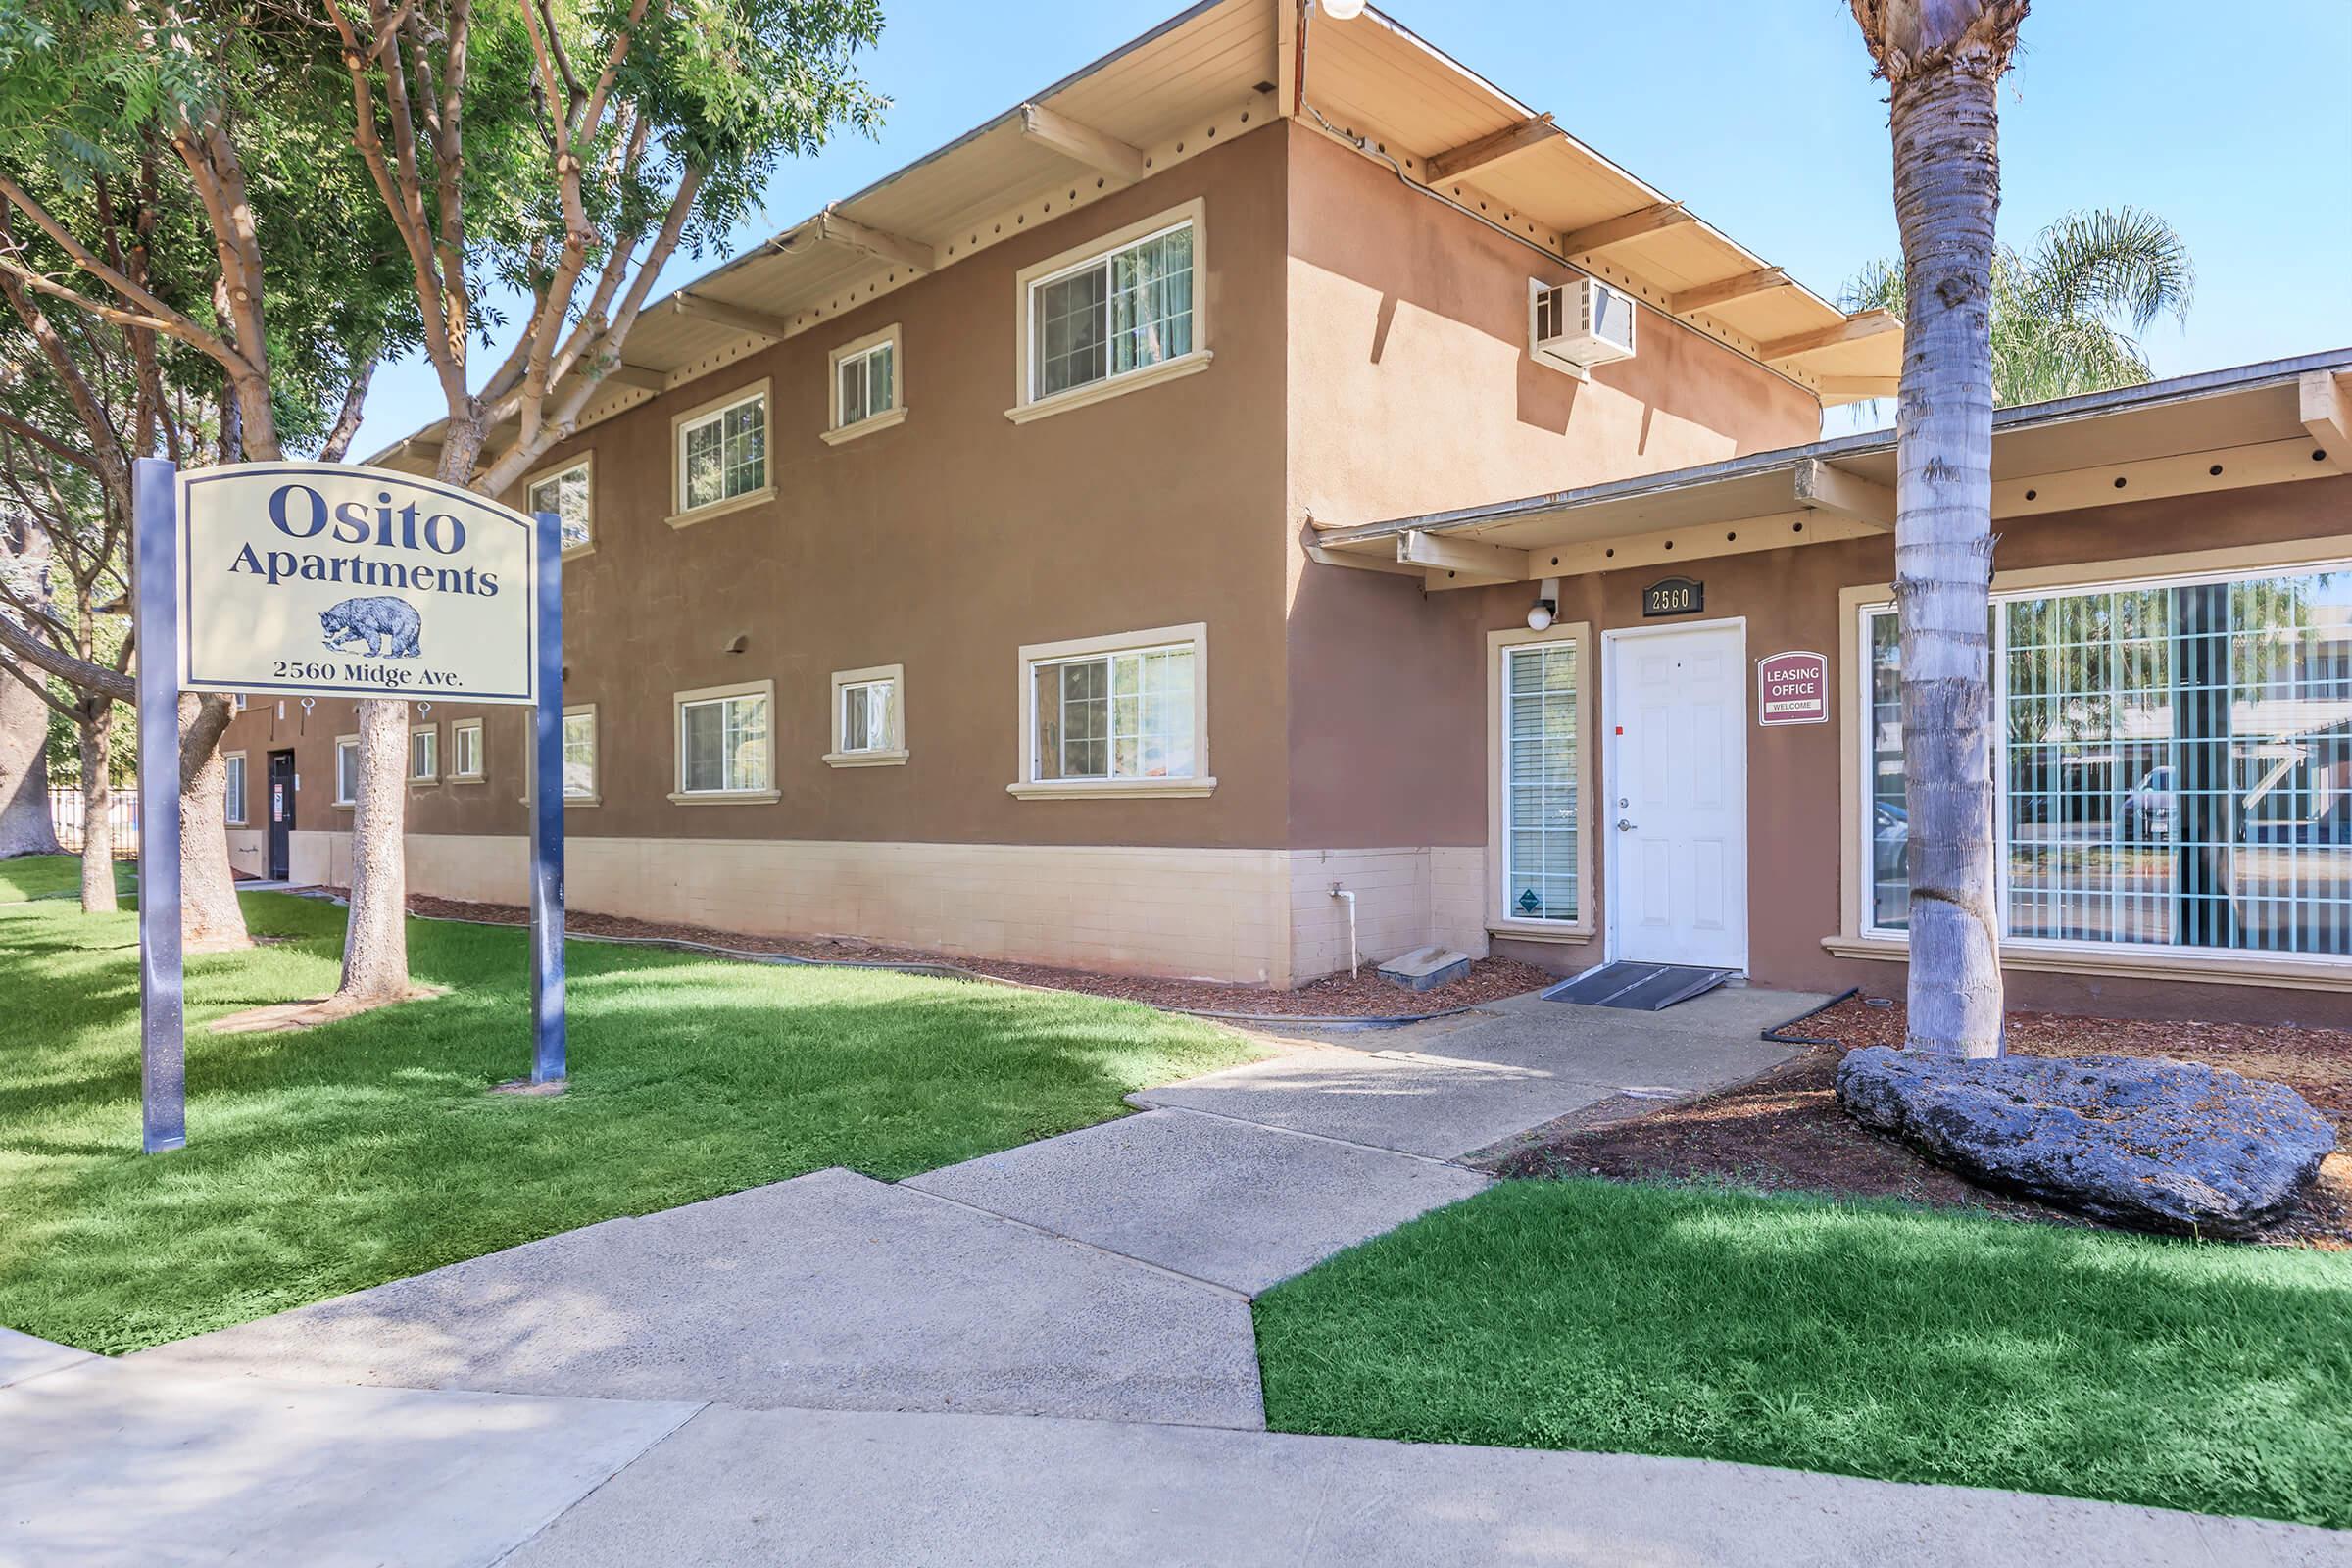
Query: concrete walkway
[{"x": 1040, "y": 1355}]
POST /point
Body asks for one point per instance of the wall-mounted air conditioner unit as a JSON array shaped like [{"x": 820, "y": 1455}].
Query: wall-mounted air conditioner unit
[{"x": 1574, "y": 326}]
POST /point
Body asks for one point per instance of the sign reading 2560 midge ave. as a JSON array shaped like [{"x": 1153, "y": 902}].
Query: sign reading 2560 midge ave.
[{"x": 321, "y": 577}]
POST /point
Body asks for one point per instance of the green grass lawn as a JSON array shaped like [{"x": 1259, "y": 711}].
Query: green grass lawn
[
  {"x": 1868, "y": 1338},
  {"x": 322, "y": 1161},
  {"x": 47, "y": 876}
]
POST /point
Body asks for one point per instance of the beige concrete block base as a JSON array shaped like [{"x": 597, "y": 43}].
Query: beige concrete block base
[{"x": 1243, "y": 917}]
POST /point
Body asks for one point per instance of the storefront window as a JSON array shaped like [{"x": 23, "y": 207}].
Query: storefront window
[
  {"x": 1540, "y": 782},
  {"x": 2175, "y": 764}
]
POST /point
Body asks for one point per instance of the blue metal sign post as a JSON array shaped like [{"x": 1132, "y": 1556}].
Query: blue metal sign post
[
  {"x": 162, "y": 1039},
  {"x": 547, "y": 812}
]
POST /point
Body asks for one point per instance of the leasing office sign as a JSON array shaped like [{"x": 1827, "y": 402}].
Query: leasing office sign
[
  {"x": 326, "y": 579},
  {"x": 1792, "y": 688}
]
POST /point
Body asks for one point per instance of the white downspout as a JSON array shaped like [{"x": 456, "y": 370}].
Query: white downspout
[{"x": 1338, "y": 892}]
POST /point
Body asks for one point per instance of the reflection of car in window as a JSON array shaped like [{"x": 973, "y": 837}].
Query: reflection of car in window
[
  {"x": 1890, "y": 841},
  {"x": 2290, "y": 873},
  {"x": 2148, "y": 815}
]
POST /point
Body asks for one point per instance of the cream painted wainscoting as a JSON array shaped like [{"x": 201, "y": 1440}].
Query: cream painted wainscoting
[
  {"x": 1250, "y": 917},
  {"x": 249, "y": 850}
]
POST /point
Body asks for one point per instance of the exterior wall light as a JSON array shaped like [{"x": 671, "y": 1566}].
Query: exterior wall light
[
  {"x": 1341, "y": 10},
  {"x": 1547, "y": 606}
]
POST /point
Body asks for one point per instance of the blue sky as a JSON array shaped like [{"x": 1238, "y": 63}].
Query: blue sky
[{"x": 1764, "y": 120}]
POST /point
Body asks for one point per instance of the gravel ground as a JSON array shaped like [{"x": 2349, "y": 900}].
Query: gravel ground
[
  {"x": 1785, "y": 1131},
  {"x": 1360, "y": 996}
]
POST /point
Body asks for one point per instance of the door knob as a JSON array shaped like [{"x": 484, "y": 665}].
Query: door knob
[{"x": 1623, "y": 826}]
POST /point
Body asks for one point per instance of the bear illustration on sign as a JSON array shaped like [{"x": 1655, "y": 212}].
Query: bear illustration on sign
[{"x": 389, "y": 626}]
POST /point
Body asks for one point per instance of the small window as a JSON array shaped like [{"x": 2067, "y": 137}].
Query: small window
[
  {"x": 722, "y": 452},
  {"x": 1541, "y": 781},
  {"x": 234, "y": 772},
  {"x": 580, "y": 754},
  {"x": 1112, "y": 314},
  {"x": 466, "y": 748},
  {"x": 724, "y": 744},
  {"x": 424, "y": 754},
  {"x": 566, "y": 492},
  {"x": 1117, "y": 715},
  {"x": 347, "y": 769},
  {"x": 868, "y": 726}
]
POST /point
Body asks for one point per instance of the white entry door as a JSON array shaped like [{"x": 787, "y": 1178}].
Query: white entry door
[{"x": 1675, "y": 796}]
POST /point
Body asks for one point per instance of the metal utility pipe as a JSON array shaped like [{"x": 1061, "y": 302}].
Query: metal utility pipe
[{"x": 1338, "y": 892}]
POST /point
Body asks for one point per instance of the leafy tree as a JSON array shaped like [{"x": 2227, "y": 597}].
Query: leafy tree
[
  {"x": 141, "y": 320},
  {"x": 1942, "y": 61},
  {"x": 2068, "y": 314},
  {"x": 564, "y": 152}
]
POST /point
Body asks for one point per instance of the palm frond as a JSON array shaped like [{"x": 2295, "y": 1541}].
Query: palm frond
[{"x": 2112, "y": 261}]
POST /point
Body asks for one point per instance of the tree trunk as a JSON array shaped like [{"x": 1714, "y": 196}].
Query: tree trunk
[
  {"x": 97, "y": 805},
  {"x": 211, "y": 920},
  {"x": 375, "y": 943},
  {"x": 25, "y": 826},
  {"x": 1946, "y": 193}
]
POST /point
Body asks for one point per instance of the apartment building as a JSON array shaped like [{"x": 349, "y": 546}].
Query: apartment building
[{"x": 1275, "y": 461}]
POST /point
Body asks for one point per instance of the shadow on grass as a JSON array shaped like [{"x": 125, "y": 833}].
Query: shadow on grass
[
  {"x": 1868, "y": 1338},
  {"x": 332, "y": 1158}
]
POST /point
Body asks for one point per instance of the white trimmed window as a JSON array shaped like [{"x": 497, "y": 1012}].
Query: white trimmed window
[
  {"x": 347, "y": 769},
  {"x": 1542, "y": 780},
  {"x": 424, "y": 754},
  {"x": 726, "y": 748},
  {"x": 568, "y": 493},
  {"x": 1122, "y": 714},
  {"x": 868, "y": 725},
  {"x": 466, "y": 748},
  {"x": 722, "y": 453},
  {"x": 579, "y": 754},
  {"x": 2175, "y": 764},
  {"x": 1122, "y": 311},
  {"x": 233, "y": 772},
  {"x": 867, "y": 393}
]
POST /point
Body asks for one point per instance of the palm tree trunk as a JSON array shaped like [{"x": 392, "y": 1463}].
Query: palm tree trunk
[
  {"x": 1946, "y": 194},
  {"x": 97, "y": 805}
]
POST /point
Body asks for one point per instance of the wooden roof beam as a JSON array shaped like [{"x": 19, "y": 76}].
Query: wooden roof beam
[
  {"x": 1824, "y": 488},
  {"x": 831, "y": 227},
  {"x": 1860, "y": 324},
  {"x": 1082, "y": 144},
  {"x": 1706, "y": 296},
  {"x": 1472, "y": 155},
  {"x": 1470, "y": 561},
  {"x": 2326, "y": 409},
  {"x": 1628, "y": 225},
  {"x": 756, "y": 322},
  {"x": 643, "y": 376}
]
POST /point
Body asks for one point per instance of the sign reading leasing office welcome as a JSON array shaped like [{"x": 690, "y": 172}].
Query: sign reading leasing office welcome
[{"x": 321, "y": 577}]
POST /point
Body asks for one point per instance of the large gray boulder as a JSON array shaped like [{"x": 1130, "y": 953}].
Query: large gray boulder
[{"x": 2139, "y": 1140}]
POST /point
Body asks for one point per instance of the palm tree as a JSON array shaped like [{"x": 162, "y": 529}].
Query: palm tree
[
  {"x": 1942, "y": 61},
  {"x": 2056, "y": 308}
]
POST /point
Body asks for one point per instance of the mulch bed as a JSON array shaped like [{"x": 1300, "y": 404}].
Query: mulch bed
[
  {"x": 1359, "y": 996},
  {"x": 1785, "y": 1131}
]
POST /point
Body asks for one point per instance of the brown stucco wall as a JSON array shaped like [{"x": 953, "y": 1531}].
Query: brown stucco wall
[
  {"x": 943, "y": 545},
  {"x": 1411, "y": 390}
]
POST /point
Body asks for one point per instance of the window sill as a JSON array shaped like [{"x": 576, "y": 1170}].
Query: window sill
[
  {"x": 1540, "y": 931},
  {"x": 1141, "y": 789},
  {"x": 423, "y": 783},
  {"x": 865, "y": 759},
  {"x": 1182, "y": 366},
  {"x": 889, "y": 418},
  {"x": 573, "y": 802},
  {"x": 719, "y": 509},
  {"x": 574, "y": 552},
  {"x": 2208, "y": 968},
  {"x": 346, "y": 806},
  {"x": 725, "y": 797},
  {"x": 468, "y": 778}
]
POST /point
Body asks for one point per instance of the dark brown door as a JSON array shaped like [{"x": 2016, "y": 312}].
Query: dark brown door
[{"x": 282, "y": 814}]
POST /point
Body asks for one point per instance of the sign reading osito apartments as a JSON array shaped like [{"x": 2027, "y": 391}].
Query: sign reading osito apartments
[{"x": 329, "y": 579}]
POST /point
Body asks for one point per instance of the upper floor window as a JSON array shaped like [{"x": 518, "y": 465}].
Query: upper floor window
[
  {"x": 1119, "y": 714},
  {"x": 1124, "y": 309},
  {"x": 424, "y": 754},
  {"x": 347, "y": 769},
  {"x": 566, "y": 492},
  {"x": 579, "y": 754},
  {"x": 466, "y": 748},
  {"x": 233, "y": 772},
  {"x": 867, "y": 393},
  {"x": 721, "y": 454}
]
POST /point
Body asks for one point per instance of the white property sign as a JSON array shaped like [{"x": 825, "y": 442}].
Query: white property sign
[{"x": 344, "y": 581}]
